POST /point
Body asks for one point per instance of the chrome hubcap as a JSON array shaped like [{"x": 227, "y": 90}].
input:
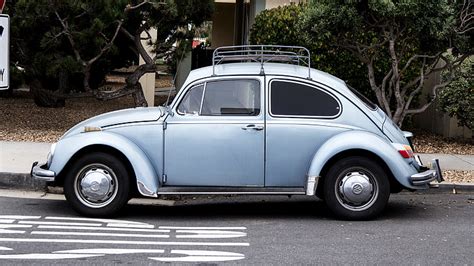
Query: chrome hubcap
[
  {"x": 356, "y": 190},
  {"x": 96, "y": 185}
]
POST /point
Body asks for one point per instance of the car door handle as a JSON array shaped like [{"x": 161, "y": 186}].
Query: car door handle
[{"x": 252, "y": 126}]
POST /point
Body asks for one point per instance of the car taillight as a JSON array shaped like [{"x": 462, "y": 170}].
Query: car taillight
[{"x": 405, "y": 151}]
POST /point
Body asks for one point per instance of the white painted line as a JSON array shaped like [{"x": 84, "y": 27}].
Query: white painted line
[
  {"x": 47, "y": 256},
  {"x": 203, "y": 228},
  {"x": 201, "y": 256},
  {"x": 102, "y": 228},
  {"x": 18, "y": 217},
  {"x": 59, "y": 223},
  {"x": 95, "y": 234},
  {"x": 5, "y": 248},
  {"x": 5, "y": 226},
  {"x": 122, "y": 242},
  {"x": 209, "y": 234},
  {"x": 7, "y": 221},
  {"x": 5, "y": 231},
  {"x": 93, "y": 220},
  {"x": 110, "y": 251},
  {"x": 131, "y": 225}
]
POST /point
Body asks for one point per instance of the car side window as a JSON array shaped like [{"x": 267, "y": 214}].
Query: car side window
[
  {"x": 191, "y": 102},
  {"x": 298, "y": 99},
  {"x": 231, "y": 97}
]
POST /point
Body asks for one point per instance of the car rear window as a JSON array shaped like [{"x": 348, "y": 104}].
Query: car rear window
[{"x": 298, "y": 99}]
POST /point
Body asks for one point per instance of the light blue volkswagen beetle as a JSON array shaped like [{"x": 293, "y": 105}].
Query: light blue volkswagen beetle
[{"x": 260, "y": 120}]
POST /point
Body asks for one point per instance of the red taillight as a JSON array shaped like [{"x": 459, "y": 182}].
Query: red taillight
[{"x": 406, "y": 152}]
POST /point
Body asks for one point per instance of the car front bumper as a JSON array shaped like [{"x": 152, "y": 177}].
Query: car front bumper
[
  {"x": 39, "y": 172},
  {"x": 428, "y": 175}
]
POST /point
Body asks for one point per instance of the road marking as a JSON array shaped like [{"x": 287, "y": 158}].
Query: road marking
[
  {"x": 103, "y": 228},
  {"x": 93, "y": 220},
  {"x": 122, "y": 242},
  {"x": 203, "y": 228},
  {"x": 7, "y": 221},
  {"x": 58, "y": 223},
  {"x": 209, "y": 234},
  {"x": 200, "y": 256},
  {"x": 18, "y": 217},
  {"x": 46, "y": 256},
  {"x": 96, "y": 234},
  {"x": 5, "y": 248},
  {"x": 5, "y": 226},
  {"x": 131, "y": 225},
  {"x": 110, "y": 251},
  {"x": 5, "y": 231}
]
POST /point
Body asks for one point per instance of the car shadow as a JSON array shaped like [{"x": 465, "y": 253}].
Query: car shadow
[{"x": 243, "y": 207}]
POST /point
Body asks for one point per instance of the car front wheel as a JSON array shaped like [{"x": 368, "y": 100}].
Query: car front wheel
[
  {"x": 356, "y": 188},
  {"x": 97, "y": 185}
]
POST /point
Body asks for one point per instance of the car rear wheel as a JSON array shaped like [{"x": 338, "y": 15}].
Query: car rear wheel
[
  {"x": 97, "y": 185},
  {"x": 356, "y": 188}
]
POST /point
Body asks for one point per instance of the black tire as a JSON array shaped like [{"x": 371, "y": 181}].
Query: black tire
[
  {"x": 356, "y": 188},
  {"x": 109, "y": 199}
]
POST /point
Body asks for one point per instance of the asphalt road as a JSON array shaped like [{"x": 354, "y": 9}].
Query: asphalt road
[{"x": 415, "y": 229}]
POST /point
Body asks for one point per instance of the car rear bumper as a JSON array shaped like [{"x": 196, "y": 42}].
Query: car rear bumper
[
  {"x": 428, "y": 175},
  {"x": 39, "y": 171}
]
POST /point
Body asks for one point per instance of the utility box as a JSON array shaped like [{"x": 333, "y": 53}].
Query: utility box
[{"x": 4, "y": 52}]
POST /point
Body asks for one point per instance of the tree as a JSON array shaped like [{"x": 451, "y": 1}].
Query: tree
[
  {"x": 457, "y": 99},
  {"x": 172, "y": 20},
  {"x": 401, "y": 43},
  {"x": 63, "y": 45}
]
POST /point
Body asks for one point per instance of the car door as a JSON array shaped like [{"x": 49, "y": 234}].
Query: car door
[
  {"x": 215, "y": 136},
  {"x": 301, "y": 116}
]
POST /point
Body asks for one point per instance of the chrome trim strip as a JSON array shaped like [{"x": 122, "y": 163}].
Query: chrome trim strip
[
  {"x": 231, "y": 193},
  {"x": 145, "y": 191}
]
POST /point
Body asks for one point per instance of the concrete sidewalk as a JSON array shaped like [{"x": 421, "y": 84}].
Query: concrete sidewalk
[{"x": 16, "y": 159}]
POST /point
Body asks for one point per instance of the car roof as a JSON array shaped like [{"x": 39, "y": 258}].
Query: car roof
[{"x": 269, "y": 69}]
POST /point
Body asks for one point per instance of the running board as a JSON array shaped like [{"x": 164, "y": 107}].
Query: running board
[{"x": 231, "y": 191}]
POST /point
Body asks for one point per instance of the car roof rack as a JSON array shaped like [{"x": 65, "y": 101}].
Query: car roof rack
[{"x": 262, "y": 54}]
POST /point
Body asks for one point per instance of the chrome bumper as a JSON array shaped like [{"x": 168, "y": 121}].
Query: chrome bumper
[
  {"x": 38, "y": 172},
  {"x": 427, "y": 176}
]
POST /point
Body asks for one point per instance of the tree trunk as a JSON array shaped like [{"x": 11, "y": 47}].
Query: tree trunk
[
  {"x": 132, "y": 86},
  {"x": 45, "y": 98},
  {"x": 87, "y": 76}
]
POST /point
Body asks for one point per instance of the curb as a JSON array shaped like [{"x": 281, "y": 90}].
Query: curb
[
  {"x": 21, "y": 181},
  {"x": 459, "y": 187}
]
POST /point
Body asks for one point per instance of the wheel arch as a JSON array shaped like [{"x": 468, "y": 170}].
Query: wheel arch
[
  {"x": 362, "y": 143},
  {"x": 136, "y": 161},
  {"x": 395, "y": 186}
]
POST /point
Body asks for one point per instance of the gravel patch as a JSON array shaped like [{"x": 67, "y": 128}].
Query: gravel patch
[
  {"x": 459, "y": 176},
  {"x": 430, "y": 143}
]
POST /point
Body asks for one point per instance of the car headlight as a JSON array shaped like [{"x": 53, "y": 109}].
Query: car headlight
[{"x": 50, "y": 154}]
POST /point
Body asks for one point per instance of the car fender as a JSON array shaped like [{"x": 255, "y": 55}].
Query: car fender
[
  {"x": 146, "y": 175},
  {"x": 363, "y": 140}
]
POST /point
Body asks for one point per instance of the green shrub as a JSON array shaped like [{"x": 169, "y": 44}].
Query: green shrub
[{"x": 457, "y": 99}]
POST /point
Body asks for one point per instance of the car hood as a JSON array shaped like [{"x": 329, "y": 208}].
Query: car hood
[{"x": 125, "y": 116}]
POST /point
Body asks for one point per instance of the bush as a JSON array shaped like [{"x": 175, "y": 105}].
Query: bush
[{"x": 457, "y": 99}]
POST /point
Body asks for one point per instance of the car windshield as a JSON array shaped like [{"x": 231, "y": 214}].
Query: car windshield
[{"x": 364, "y": 99}]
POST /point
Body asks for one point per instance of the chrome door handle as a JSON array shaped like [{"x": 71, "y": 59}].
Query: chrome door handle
[{"x": 252, "y": 126}]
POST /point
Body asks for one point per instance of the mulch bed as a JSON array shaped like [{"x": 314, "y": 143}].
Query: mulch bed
[{"x": 425, "y": 142}]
